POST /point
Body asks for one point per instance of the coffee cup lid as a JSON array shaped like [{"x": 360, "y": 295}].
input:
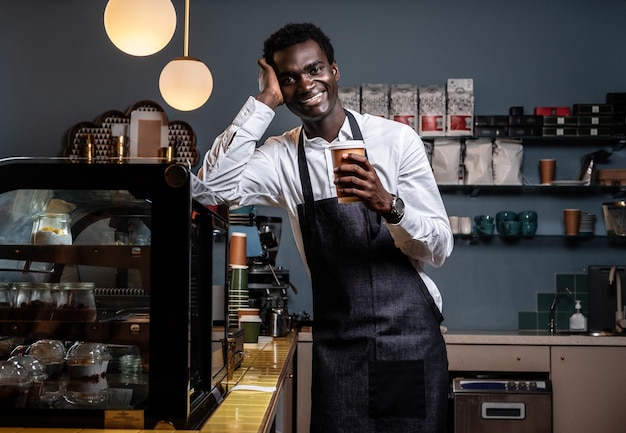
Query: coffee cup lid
[{"x": 348, "y": 144}]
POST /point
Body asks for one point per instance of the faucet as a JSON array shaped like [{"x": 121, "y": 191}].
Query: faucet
[
  {"x": 615, "y": 278},
  {"x": 552, "y": 322}
]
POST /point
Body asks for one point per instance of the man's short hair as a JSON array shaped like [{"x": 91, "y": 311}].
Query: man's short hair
[{"x": 296, "y": 33}]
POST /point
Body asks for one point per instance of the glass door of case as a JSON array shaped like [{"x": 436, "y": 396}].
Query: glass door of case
[{"x": 108, "y": 272}]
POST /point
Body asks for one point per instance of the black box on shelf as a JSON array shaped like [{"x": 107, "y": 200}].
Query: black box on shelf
[
  {"x": 524, "y": 131},
  {"x": 560, "y": 131},
  {"x": 560, "y": 121},
  {"x": 593, "y": 109},
  {"x": 491, "y": 131},
  {"x": 592, "y": 131},
  {"x": 616, "y": 98},
  {"x": 595, "y": 120},
  {"x": 496, "y": 120},
  {"x": 525, "y": 120}
]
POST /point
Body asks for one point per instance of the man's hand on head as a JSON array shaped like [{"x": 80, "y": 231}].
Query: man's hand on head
[{"x": 269, "y": 88}]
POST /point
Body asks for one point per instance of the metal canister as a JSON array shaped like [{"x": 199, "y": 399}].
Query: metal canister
[
  {"x": 119, "y": 149},
  {"x": 89, "y": 149}
]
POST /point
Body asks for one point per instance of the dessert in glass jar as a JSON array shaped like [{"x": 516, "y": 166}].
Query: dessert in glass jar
[
  {"x": 76, "y": 302},
  {"x": 34, "y": 302},
  {"x": 51, "y": 229}
]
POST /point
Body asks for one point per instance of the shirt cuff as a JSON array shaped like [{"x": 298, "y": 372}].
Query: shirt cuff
[{"x": 254, "y": 117}]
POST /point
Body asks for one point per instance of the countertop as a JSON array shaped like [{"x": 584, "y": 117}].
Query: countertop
[
  {"x": 540, "y": 338},
  {"x": 250, "y": 405}
]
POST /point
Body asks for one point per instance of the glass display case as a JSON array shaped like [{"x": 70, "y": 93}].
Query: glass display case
[{"x": 107, "y": 274}]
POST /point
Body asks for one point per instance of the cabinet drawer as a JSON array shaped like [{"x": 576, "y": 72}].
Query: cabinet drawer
[{"x": 471, "y": 357}]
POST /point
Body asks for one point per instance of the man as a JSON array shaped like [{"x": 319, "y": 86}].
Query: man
[{"x": 379, "y": 360}]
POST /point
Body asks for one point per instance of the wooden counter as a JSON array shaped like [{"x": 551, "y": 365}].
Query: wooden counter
[{"x": 251, "y": 403}]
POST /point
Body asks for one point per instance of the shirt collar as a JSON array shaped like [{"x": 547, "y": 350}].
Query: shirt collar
[{"x": 345, "y": 133}]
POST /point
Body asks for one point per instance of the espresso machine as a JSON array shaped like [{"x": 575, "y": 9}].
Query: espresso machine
[{"x": 268, "y": 284}]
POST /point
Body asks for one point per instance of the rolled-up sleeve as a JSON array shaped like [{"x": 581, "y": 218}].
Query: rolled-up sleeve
[
  {"x": 225, "y": 163},
  {"x": 424, "y": 232}
]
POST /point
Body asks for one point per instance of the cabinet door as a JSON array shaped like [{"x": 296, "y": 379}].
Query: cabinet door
[
  {"x": 284, "y": 411},
  {"x": 470, "y": 357},
  {"x": 588, "y": 388},
  {"x": 303, "y": 382}
]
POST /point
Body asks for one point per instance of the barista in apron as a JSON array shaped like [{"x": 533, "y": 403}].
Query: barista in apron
[{"x": 379, "y": 359}]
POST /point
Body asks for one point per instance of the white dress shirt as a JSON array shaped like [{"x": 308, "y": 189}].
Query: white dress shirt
[{"x": 234, "y": 170}]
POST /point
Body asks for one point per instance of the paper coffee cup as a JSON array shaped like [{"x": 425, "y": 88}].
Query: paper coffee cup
[
  {"x": 237, "y": 255},
  {"x": 338, "y": 150},
  {"x": 547, "y": 168},
  {"x": 241, "y": 312},
  {"x": 251, "y": 326},
  {"x": 571, "y": 218}
]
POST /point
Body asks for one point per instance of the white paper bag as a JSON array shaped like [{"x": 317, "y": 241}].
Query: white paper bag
[
  {"x": 446, "y": 161},
  {"x": 507, "y": 162},
  {"x": 478, "y": 162}
]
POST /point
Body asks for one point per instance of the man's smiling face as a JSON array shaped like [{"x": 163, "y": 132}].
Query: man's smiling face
[{"x": 307, "y": 81}]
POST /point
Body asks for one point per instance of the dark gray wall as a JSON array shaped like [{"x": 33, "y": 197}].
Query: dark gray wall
[{"x": 58, "y": 68}]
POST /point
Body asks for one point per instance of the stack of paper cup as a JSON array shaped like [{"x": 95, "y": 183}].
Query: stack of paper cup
[{"x": 238, "y": 288}]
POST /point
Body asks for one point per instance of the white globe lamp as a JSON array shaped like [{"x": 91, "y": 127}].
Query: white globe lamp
[
  {"x": 140, "y": 27},
  {"x": 185, "y": 83}
]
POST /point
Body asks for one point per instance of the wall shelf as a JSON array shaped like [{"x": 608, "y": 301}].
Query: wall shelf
[
  {"x": 475, "y": 190},
  {"x": 568, "y": 242}
]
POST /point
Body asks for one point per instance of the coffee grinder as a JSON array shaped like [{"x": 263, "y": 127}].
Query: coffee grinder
[{"x": 268, "y": 283}]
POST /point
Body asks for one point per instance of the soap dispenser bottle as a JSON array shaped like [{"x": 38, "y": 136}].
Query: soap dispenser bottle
[{"x": 577, "y": 321}]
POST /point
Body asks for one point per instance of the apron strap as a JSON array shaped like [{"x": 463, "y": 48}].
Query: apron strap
[
  {"x": 356, "y": 131},
  {"x": 305, "y": 181}
]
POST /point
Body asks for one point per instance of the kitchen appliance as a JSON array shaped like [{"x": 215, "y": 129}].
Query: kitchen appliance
[
  {"x": 502, "y": 405},
  {"x": 152, "y": 254},
  {"x": 615, "y": 217},
  {"x": 603, "y": 296}
]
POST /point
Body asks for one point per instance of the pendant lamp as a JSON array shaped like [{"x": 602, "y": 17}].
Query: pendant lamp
[
  {"x": 185, "y": 82},
  {"x": 140, "y": 27}
]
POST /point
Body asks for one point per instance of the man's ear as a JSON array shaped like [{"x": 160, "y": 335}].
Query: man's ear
[{"x": 336, "y": 72}]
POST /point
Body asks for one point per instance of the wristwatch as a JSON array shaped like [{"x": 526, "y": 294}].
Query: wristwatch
[{"x": 397, "y": 211}]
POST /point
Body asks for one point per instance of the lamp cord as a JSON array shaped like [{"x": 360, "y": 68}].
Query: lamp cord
[{"x": 186, "y": 41}]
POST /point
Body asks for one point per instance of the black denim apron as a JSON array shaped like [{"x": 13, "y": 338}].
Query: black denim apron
[{"x": 379, "y": 359}]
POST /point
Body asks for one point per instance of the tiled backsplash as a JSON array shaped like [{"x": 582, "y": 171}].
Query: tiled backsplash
[{"x": 538, "y": 320}]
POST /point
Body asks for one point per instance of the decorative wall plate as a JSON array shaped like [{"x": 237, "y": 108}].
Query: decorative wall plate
[{"x": 113, "y": 123}]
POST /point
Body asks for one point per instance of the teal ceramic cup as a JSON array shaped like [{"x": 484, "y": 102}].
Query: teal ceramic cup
[
  {"x": 511, "y": 228},
  {"x": 527, "y": 215},
  {"x": 502, "y": 216},
  {"x": 528, "y": 228},
  {"x": 485, "y": 224}
]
